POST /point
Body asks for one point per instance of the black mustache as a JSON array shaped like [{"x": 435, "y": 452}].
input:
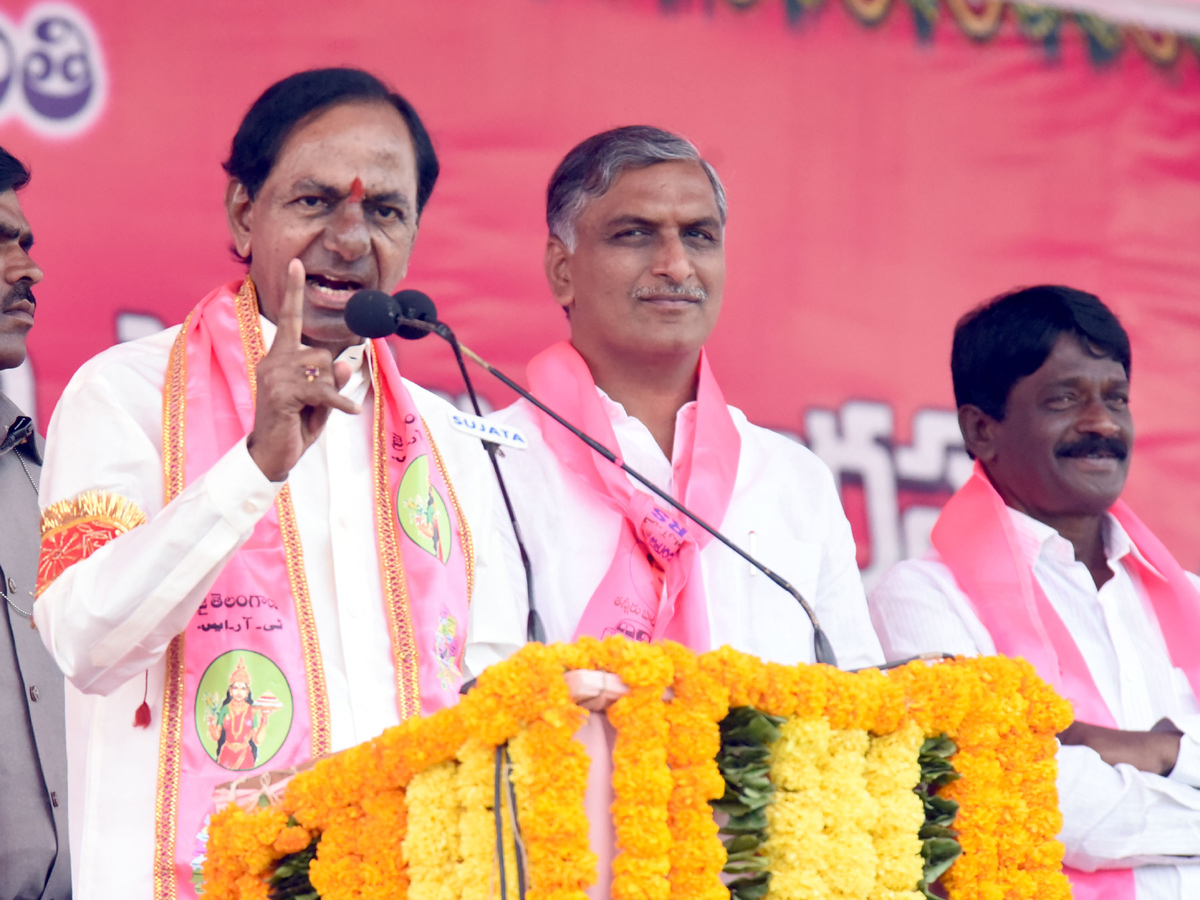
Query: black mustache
[
  {"x": 1095, "y": 445},
  {"x": 22, "y": 290}
]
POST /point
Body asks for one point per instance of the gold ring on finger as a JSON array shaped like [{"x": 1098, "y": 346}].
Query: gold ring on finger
[{"x": 312, "y": 373}]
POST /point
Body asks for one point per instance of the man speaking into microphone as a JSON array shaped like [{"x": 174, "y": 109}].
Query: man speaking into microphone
[
  {"x": 259, "y": 542},
  {"x": 636, "y": 258}
]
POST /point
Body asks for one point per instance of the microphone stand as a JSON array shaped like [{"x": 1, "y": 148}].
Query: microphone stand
[
  {"x": 534, "y": 631},
  {"x": 822, "y": 648}
]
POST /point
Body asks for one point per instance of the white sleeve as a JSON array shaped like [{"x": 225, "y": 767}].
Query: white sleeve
[
  {"x": 917, "y": 607},
  {"x": 112, "y": 615},
  {"x": 1187, "y": 720},
  {"x": 498, "y": 611},
  {"x": 1118, "y": 816},
  {"x": 840, "y": 603}
]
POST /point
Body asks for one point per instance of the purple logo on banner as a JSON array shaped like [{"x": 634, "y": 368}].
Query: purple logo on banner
[{"x": 51, "y": 70}]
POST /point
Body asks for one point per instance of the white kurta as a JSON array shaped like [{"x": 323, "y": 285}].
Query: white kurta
[
  {"x": 110, "y": 618},
  {"x": 785, "y": 511},
  {"x": 1113, "y": 817}
]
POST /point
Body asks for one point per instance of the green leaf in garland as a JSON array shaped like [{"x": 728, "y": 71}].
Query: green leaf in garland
[
  {"x": 746, "y": 824},
  {"x": 930, "y": 830},
  {"x": 939, "y": 746},
  {"x": 939, "y": 855},
  {"x": 752, "y": 888},
  {"x": 745, "y": 763},
  {"x": 939, "y": 840},
  {"x": 940, "y": 810},
  {"x": 290, "y": 881}
]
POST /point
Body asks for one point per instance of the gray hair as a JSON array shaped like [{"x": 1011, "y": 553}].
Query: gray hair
[{"x": 591, "y": 169}]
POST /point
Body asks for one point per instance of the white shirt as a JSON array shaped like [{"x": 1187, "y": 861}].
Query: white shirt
[
  {"x": 1113, "y": 817},
  {"x": 110, "y": 617},
  {"x": 785, "y": 511}
]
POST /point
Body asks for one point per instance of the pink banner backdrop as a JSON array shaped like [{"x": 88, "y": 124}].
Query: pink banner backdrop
[{"x": 880, "y": 185}]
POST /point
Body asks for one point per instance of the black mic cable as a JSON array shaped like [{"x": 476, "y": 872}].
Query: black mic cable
[
  {"x": 411, "y": 315},
  {"x": 822, "y": 647}
]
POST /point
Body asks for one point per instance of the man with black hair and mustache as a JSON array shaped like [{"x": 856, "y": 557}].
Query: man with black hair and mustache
[
  {"x": 33, "y": 758},
  {"x": 240, "y": 484},
  {"x": 1037, "y": 557}
]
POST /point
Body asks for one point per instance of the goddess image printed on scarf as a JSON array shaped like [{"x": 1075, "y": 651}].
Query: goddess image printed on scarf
[{"x": 240, "y": 730}]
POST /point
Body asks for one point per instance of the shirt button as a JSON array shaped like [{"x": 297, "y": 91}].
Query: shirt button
[
  {"x": 33, "y": 693},
  {"x": 12, "y": 586},
  {"x": 248, "y": 506}
]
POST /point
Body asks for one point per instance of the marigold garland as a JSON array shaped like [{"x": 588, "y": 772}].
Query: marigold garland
[
  {"x": 891, "y": 771},
  {"x": 693, "y": 719},
  {"x": 1002, "y": 718},
  {"x": 476, "y": 826},
  {"x": 431, "y": 843}
]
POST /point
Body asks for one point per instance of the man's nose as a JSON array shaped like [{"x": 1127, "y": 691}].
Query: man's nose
[
  {"x": 1099, "y": 418},
  {"x": 18, "y": 265},
  {"x": 347, "y": 234},
  {"x": 672, "y": 260}
]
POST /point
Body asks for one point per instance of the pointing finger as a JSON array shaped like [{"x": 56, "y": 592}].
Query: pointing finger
[{"x": 291, "y": 312}]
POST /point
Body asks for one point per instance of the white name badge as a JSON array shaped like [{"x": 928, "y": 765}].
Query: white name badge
[{"x": 488, "y": 431}]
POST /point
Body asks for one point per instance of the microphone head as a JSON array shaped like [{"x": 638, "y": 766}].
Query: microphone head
[
  {"x": 372, "y": 314},
  {"x": 413, "y": 305}
]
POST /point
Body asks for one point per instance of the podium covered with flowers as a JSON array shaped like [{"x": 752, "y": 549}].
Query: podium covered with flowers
[{"x": 729, "y": 777}]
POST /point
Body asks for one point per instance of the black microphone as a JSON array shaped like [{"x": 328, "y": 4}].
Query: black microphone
[
  {"x": 414, "y": 306},
  {"x": 412, "y": 315},
  {"x": 822, "y": 647},
  {"x": 373, "y": 314}
]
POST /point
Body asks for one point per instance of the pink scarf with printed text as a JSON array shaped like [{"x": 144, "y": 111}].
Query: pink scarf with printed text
[
  {"x": 654, "y": 587},
  {"x": 977, "y": 540},
  {"x": 245, "y": 681}
]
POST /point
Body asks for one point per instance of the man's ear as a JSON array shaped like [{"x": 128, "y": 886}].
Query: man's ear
[
  {"x": 558, "y": 272},
  {"x": 238, "y": 209},
  {"x": 978, "y": 431}
]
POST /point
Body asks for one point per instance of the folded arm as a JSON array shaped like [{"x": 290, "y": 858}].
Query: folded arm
[{"x": 1153, "y": 751}]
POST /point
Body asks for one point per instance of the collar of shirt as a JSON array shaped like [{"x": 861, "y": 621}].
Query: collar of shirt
[
  {"x": 9, "y": 413},
  {"x": 1039, "y": 540},
  {"x": 637, "y": 446}
]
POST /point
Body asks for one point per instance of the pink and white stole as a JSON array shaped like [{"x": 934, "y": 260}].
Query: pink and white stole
[
  {"x": 977, "y": 540},
  {"x": 260, "y": 605},
  {"x": 657, "y": 544}
]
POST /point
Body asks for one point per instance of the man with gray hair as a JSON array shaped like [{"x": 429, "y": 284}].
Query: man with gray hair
[{"x": 635, "y": 256}]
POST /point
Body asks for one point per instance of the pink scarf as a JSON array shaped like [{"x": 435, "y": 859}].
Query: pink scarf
[
  {"x": 977, "y": 540},
  {"x": 654, "y": 587},
  {"x": 247, "y": 674}
]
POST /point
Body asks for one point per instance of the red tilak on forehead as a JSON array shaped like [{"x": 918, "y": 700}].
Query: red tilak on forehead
[{"x": 356, "y": 191}]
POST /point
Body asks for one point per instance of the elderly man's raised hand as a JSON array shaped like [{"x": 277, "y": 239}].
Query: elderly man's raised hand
[{"x": 297, "y": 388}]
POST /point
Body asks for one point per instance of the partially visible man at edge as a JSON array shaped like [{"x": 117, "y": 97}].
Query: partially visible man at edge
[
  {"x": 636, "y": 258},
  {"x": 1037, "y": 557},
  {"x": 34, "y": 862},
  {"x": 254, "y": 487}
]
